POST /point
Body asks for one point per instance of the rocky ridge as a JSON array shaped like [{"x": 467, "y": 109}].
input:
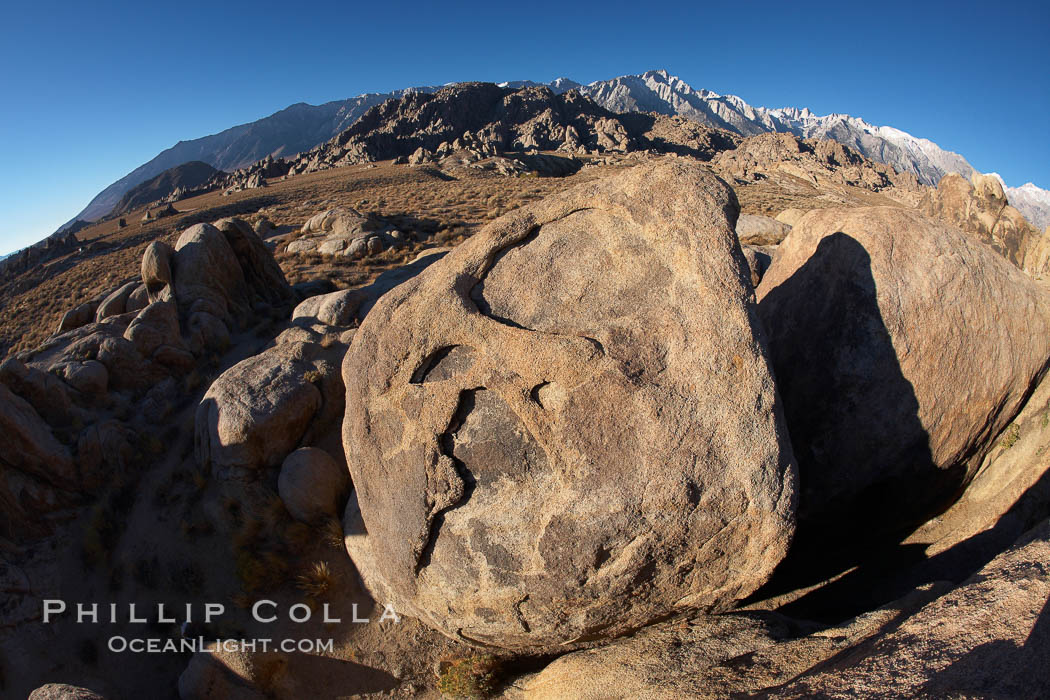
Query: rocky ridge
[{"x": 603, "y": 468}]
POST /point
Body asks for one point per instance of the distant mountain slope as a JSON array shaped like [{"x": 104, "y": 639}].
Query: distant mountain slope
[
  {"x": 185, "y": 176},
  {"x": 297, "y": 128},
  {"x": 658, "y": 91},
  {"x": 302, "y": 127},
  {"x": 1032, "y": 201}
]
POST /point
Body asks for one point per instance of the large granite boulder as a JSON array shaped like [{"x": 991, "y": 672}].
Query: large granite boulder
[
  {"x": 220, "y": 276},
  {"x": 262, "y": 274},
  {"x": 207, "y": 276},
  {"x": 901, "y": 348},
  {"x": 566, "y": 428}
]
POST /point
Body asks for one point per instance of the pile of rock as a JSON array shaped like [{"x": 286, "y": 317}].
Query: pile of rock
[
  {"x": 346, "y": 232},
  {"x": 820, "y": 163},
  {"x": 979, "y": 206},
  {"x": 126, "y": 348}
]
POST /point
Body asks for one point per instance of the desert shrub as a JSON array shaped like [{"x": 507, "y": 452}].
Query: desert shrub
[
  {"x": 474, "y": 676},
  {"x": 316, "y": 581},
  {"x": 1010, "y": 437},
  {"x": 332, "y": 533}
]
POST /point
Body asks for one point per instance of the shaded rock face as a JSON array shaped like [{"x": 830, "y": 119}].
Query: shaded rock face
[
  {"x": 566, "y": 428},
  {"x": 37, "y": 472},
  {"x": 313, "y": 485},
  {"x": 901, "y": 349}
]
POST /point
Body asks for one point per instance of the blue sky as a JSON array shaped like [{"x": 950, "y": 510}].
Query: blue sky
[{"x": 92, "y": 90}]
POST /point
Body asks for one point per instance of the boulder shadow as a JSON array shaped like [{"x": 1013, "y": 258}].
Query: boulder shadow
[{"x": 866, "y": 473}]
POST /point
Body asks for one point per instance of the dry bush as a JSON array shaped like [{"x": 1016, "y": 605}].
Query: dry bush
[
  {"x": 316, "y": 581},
  {"x": 475, "y": 676}
]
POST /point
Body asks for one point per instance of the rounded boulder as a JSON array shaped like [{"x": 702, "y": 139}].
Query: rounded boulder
[{"x": 566, "y": 428}]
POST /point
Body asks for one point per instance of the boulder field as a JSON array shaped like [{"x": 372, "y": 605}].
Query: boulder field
[{"x": 618, "y": 439}]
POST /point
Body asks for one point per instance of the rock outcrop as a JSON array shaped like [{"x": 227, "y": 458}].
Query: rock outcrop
[
  {"x": 901, "y": 349},
  {"x": 126, "y": 353},
  {"x": 218, "y": 273},
  {"x": 545, "y": 452},
  {"x": 980, "y": 207},
  {"x": 819, "y": 163},
  {"x": 347, "y": 232}
]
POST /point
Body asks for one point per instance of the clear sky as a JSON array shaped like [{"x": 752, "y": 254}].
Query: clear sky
[{"x": 92, "y": 90}]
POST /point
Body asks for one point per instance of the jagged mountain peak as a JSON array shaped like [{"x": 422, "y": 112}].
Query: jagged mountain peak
[{"x": 301, "y": 127}]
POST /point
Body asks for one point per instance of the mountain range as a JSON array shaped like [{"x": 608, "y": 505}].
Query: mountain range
[
  {"x": 301, "y": 127},
  {"x": 1032, "y": 201}
]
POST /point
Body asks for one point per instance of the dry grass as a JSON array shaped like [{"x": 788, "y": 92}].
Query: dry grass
[
  {"x": 316, "y": 581},
  {"x": 474, "y": 676},
  {"x": 422, "y": 202}
]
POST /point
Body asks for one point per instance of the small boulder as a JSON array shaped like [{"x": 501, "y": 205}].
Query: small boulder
[
  {"x": 760, "y": 230},
  {"x": 156, "y": 271},
  {"x": 313, "y": 485},
  {"x": 61, "y": 691},
  {"x": 116, "y": 303},
  {"x": 88, "y": 377},
  {"x": 334, "y": 309},
  {"x": 259, "y": 410},
  {"x": 78, "y": 316}
]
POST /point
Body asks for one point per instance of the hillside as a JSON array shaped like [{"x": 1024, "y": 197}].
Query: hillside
[
  {"x": 286, "y": 132},
  {"x": 302, "y": 127},
  {"x": 184, "y": 177}
]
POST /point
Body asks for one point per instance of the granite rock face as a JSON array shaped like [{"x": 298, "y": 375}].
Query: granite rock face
[
  {"x": 902, "y": 348},
  {"x": 566, "y": 428}
]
